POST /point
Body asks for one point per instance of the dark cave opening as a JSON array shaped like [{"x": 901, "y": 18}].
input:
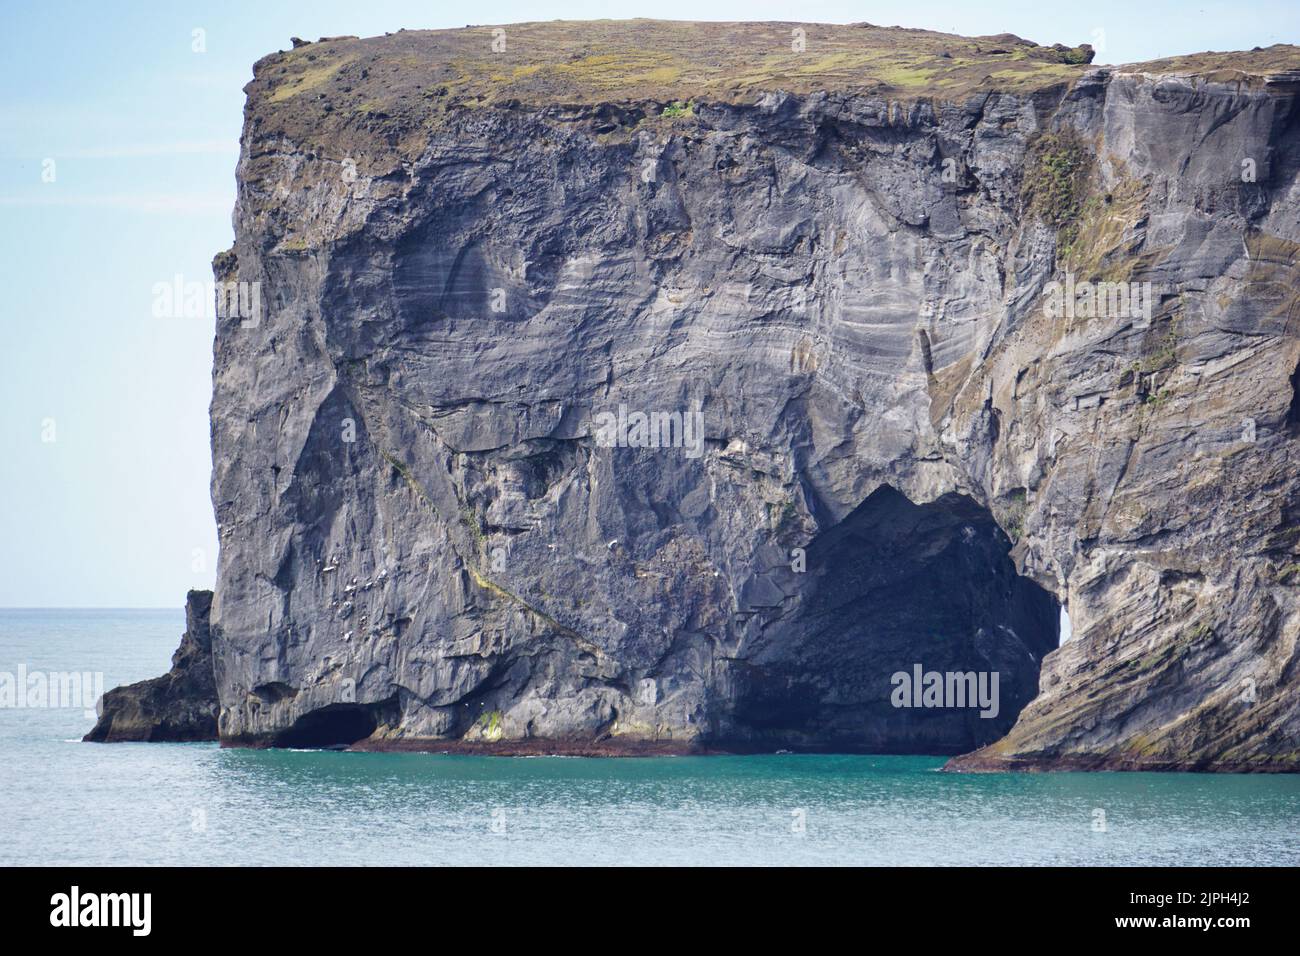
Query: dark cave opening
[
  {"x": 895, "y": 588},
  {"x": 333, "y": 726}
]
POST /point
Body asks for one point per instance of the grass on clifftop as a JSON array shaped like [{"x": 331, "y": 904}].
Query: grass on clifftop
[
  {"x": 346, "y": 94},
  {"x": 572, "y": 62},
  {"x": 408, "y": 81}
]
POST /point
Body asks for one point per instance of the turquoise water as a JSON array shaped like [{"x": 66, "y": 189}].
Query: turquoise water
[{"x": 65, "y": 802}]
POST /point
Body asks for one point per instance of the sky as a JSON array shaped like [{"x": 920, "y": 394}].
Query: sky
[{"x": 119, "y": 131}]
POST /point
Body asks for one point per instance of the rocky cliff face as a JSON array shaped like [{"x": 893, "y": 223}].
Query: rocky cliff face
[{"x": 634, "y": 387}]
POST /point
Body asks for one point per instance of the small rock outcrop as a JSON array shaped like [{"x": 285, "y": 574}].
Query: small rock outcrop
[{"x": 181, "y": 705}]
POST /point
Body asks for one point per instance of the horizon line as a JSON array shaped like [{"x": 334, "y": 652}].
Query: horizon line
[{"x": 92, "y": 607}]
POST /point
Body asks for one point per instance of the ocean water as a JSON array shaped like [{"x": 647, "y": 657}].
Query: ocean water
[{"x": 67, "y": 802}]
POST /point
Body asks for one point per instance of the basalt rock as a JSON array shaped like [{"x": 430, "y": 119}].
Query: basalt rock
[
  {"x": 833, "y": 249},
  {"x": 181, "y": 705}
]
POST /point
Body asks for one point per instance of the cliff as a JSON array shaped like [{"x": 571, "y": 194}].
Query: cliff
[{"x": 938, "y": 334}]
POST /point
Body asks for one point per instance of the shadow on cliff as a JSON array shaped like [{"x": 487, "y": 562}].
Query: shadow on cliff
[{"x": 894, "y": 587}]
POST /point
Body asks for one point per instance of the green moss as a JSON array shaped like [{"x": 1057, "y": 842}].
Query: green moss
[
  {"x": 488, "y": 725},
  {"x": 400, "y": 467},
  {"x": 469, "y": 517},
  {"x": 1053, "y": 190},
  {"x": 1013, "y": 514},
  {"x": 903, "y": 77},
  {"x": 1036, "y": 70},
  {"x": 309, "y": 78},
  {"x": 622, "y": 68},
  {"x": 676, "y": 110},
  {"x": 1166, "y": 354}
]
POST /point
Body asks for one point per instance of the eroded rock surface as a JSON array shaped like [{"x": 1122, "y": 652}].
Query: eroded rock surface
[
  {"x": 837, "y": 258},
  {"x": 181, "y": 705}
]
